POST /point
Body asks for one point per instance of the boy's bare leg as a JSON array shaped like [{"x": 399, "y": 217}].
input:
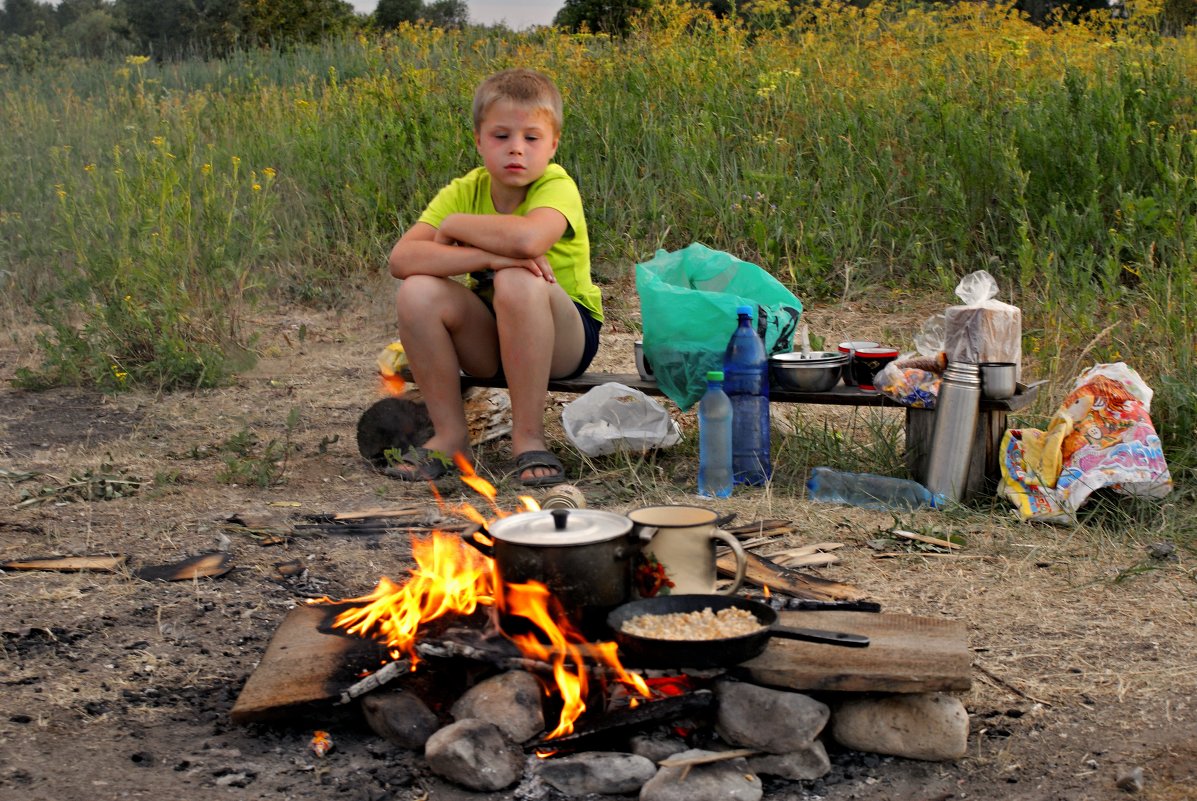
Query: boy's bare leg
[
  {"x": 444, "y": 328},
  {"x": 540, "y": 335}
]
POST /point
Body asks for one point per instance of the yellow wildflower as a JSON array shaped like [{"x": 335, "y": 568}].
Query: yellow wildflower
[
  {"x": 257, "y": 187},
  {"x": 269, "y": 172},
  {"x": 158, "y": 141},
  {"x": 136, "y": 61},
  {"x": 60, "y": 190},
  {"x": 206, "y": 169},
  {"x": 236, "y": 161},
  {"x": 89, "y": 167}
]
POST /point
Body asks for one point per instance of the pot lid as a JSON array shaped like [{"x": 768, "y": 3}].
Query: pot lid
[{"x": 560, "y": 527}]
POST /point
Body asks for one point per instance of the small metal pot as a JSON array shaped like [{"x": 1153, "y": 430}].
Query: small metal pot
[{"x": 584, "y": 557}]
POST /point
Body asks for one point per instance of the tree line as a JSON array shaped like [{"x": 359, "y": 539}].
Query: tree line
[{"x": 32, "y": 32}]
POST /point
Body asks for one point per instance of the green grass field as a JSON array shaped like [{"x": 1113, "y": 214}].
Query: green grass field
[{"x": 146, "y": 206}]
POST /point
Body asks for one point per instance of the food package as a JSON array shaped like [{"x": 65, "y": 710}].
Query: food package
[{"x": 983, "y": 329}]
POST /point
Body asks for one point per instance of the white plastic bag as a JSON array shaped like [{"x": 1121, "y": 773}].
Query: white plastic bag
[
  {"x": 613, "y": 417},
  {"x": 983, "y": 329}
]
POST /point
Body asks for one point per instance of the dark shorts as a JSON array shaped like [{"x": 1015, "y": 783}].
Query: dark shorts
[{"x": 591, "y": 326}]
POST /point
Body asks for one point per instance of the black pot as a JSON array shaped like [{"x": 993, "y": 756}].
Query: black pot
[{"x": 584, "y": 557}]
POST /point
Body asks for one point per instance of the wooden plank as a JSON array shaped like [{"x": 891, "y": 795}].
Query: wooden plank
[
  {"x": 906, "y": 654},
  {"x": 304, "y": 665},
  {"x": 840, "y": 395},
  {"x": 764, "y": 572}
]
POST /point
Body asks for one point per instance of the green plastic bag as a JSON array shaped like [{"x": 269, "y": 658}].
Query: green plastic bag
[{"x": 688, "y": 301}]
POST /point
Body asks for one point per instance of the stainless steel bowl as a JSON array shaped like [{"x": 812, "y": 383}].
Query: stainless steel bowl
[{"x": 817, "y": 371}]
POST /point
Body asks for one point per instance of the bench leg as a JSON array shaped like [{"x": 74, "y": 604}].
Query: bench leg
[{"x": 984, "y": 466}]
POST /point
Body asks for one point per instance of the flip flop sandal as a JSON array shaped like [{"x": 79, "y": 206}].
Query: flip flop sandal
[
  {"x": 531, "y": 459},
  {"x": 419, "y": 464}
]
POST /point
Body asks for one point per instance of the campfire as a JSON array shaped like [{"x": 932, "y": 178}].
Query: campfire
[
  {"x": 451, "y": 578},
  {"x": 471, "y": 635}
]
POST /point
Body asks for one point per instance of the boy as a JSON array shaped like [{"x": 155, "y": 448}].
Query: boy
[{"x": 529, "y": 309}]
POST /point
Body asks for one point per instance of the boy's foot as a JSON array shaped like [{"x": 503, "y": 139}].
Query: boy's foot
[
  {"x": 420, "y": 464},
  {"x": 539, "y": 469}
]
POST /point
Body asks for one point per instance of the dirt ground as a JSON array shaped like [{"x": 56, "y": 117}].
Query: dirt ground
[{"x": 115, "y": 687}]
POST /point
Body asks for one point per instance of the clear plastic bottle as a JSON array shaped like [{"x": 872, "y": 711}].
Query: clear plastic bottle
[
  {"x": 746, "y": 382},
  {"x": 867, "y": 490},
  {"x": 715, "y": 440}
]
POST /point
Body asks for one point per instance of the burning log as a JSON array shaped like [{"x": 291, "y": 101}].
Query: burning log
[{"x": 629, "y": 719}]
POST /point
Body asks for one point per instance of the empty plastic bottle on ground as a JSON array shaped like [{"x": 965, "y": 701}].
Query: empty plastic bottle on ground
[
  {"x": 746, "y": 382},
  {"x": 867, "y": 490},
  {"x": 715, "y": 439}
]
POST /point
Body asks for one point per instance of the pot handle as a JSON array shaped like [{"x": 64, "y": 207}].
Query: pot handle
[
  {"x": 643, "y": 533},
  {"x": 741, "y": 559},
  {"x": 819, "y": 635},
  {"x": 468, "y": 536}
]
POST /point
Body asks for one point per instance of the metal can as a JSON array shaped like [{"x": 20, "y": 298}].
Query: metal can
[{"x": 563, "y": 496}]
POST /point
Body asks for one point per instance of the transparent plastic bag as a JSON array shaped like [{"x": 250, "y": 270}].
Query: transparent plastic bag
[{"x": 614, "y": 417}]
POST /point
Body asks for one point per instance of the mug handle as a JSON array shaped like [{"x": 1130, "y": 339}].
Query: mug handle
[{"x": 741, "y": 560}]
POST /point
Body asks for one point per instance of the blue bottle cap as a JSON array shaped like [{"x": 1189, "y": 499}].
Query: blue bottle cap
[
  {"x": 744, "y": 310},
  {"x": 715, "y": 375}
]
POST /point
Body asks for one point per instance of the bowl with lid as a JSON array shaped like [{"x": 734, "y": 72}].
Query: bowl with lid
[
  {"x": 867, "y": 363},
  {"x": 813, "y": 371}
]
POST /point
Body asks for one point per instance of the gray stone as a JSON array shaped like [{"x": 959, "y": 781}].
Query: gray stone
[
  {"x": 474, "y": 754},
  {"x": 805, "y": 764},
  {"x": 930, "y": 726},
  {"x": 604, "y": 772},
  {"x": 729, "y": 780},
  {"x": 656, "y": 747},
  {"x": 764, "y": 719},
  {"x": 400, "y": 717},
  {"x": 511, "y": 701}
]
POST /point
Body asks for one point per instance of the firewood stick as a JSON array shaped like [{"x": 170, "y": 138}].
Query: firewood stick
[
  {"x": 384, "y": 675},
  {"x": 404, "y": 511},
  {"x": 910, "y": 535}
]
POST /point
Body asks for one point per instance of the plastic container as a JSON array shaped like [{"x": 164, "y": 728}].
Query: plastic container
[
  {"x": 867, "y": 490},
  {"x": 715, "y": 440},
  {"x": 746, "y": 382}
]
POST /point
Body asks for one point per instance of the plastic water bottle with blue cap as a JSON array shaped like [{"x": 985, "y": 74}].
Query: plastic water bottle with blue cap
[{"x": 746, "y": 382}]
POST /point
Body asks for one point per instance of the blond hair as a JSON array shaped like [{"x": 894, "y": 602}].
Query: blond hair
[{"x": 524, "y": 87}]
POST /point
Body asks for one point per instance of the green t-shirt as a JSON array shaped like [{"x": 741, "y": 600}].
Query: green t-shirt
[{"x": 569, "y": 256}]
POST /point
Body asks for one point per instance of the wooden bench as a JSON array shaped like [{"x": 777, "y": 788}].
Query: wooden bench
[{"x": 984, "y": 470}]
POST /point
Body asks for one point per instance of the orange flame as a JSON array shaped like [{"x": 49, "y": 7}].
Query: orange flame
[
  {"x": 392, "y": 383},
  {"x": 451, "y": 577},
  {"x": 448, "y": 577}
]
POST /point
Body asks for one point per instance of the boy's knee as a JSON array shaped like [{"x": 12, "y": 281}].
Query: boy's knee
[{"x": 517, "y": 289}]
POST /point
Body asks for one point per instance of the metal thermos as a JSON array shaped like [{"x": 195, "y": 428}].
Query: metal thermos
[{"x": 955, "y": 426}]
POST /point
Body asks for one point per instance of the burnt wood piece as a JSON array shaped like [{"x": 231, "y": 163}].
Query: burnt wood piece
[
  {"x": 204, "y": 565},
  {"x": 906, "y": 654},
  {"x": 304, "y": 666},
  {"x": 764, "y": 572},
  {"x": 624, "y": 721},
  {"x": 398, "y": 423}
]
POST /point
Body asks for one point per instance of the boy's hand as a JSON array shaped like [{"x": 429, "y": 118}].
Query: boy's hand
[{"x": 441, "y": 238}]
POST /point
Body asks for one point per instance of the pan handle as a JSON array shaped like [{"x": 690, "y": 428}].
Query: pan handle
[
  {"x": 843, "y": 638},
  {"x": 470, "y": 538}
]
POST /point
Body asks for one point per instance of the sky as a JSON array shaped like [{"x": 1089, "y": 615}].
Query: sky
[{"x": 518, "y": 15}]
